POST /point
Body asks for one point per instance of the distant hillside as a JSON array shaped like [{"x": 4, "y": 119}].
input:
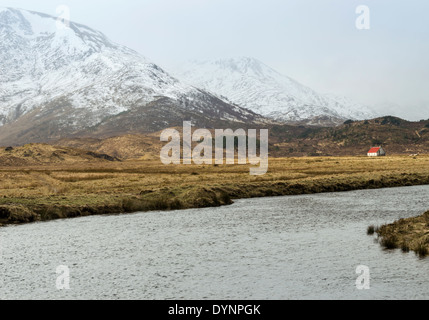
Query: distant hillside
[{"x": 397, "y": 136}]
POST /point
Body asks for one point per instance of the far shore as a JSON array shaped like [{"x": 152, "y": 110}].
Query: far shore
[{"x": 57, "y": 191}]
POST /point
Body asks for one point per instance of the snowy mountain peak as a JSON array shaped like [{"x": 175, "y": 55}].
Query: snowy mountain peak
[
  {"x": 75, "y": 77},
  {"x": 35, "y": 26},
  {"x": 242, "y": 65},
  {"x": 12, "y": 20},
  {"x": 252, "y": 84}
]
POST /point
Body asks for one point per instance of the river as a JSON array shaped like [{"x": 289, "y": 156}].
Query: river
[{"x": 292, "y": 247}]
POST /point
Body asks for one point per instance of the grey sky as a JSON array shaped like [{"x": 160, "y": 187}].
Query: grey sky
[{"x": 313, "y": 41}]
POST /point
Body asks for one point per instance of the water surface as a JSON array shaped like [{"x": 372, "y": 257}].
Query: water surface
[{"x": 292, "y": 247}]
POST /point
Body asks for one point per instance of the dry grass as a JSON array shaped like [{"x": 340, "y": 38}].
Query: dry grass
[
  {"x": 100, "y": 187},
  {"x": 409, "y": 234}
]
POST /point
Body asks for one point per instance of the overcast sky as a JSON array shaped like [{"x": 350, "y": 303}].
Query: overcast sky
[{"x": 316, "y": 42}]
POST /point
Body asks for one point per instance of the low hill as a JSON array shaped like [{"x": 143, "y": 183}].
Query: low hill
[
  {"x": 39, "y": 154},
  {"x": 130, "y": 146}
]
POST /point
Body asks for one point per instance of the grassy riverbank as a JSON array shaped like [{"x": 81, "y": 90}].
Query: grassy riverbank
[
  {"x": 407, "y": 234},
  {"x": 51, "y": 191}
]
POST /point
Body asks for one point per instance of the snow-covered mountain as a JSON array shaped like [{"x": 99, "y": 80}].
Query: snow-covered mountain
[
  {"x": 251, "y": 84},
  {"x": 58, "y": 80}
]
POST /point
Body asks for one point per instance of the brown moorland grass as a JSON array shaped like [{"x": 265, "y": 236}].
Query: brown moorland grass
[
  {"x": 46, "y": 191},
  {"x": 407, "y": 234}
]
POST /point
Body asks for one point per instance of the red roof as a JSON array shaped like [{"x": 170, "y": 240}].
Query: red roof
[{"x": 374, "y": 150}]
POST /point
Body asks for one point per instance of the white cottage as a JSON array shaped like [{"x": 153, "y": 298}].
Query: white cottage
[{"x": 376, "y": 152}]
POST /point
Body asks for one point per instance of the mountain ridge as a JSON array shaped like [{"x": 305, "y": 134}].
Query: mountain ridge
[{"x": 252, "y": 84}]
